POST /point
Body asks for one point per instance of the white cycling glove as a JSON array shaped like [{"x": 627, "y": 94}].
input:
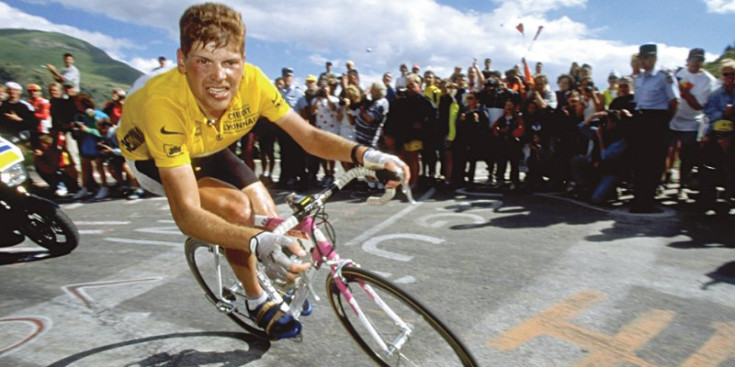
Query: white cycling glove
[
  {"x": 376, "y": 160},
  {"x": 269, "y": 249}
]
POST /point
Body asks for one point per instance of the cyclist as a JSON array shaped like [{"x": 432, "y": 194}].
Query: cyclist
[{"x": 175, "y": 130}]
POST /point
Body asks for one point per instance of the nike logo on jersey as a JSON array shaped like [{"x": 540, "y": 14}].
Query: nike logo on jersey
[{"x": 166, "y": 132}]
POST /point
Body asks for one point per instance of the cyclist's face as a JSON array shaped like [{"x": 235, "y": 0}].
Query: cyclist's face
[{"x": 213, "y": 75}]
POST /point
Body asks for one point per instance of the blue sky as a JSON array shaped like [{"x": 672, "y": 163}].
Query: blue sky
[{"x": 436, "y": 34}]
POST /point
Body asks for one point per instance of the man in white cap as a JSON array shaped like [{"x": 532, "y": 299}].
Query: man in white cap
[{"x": 16, "y": 115}]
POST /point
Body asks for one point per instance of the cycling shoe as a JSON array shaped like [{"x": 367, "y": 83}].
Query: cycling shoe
[{"x": 275, "y": 323}]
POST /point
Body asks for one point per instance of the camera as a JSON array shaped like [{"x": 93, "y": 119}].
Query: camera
[{"x": 401, "y": 92}]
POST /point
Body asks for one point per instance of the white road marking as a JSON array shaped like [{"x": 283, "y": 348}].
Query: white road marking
[
  {"x": 371, "y": 246},
  {"x": 370, "y": 232},
  {"x": 101, "y": 223},
  {"x": 145, "y": 242}
]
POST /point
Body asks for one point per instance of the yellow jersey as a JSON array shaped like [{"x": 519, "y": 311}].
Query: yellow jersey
[{"x": 162, "y": 121}]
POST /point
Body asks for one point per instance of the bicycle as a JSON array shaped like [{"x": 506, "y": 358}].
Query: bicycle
[{"x": 390, "y": 325}]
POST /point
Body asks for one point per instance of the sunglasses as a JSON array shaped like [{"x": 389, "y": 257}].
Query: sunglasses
[{"x": 728, "y": 74}]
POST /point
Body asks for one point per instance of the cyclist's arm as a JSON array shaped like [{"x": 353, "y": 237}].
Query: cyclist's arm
[
  {"x": 318, "y": 142},
  {"x": 328, "y": 146},
  {"x": 182, "y": 192}
]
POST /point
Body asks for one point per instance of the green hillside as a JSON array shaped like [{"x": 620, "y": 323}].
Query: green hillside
[
  {"x": 26, "y": 51},
  {"x": 714, "y": 67}
]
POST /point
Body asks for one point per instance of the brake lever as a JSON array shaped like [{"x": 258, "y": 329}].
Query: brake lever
[{"x": 387, "y": 175}]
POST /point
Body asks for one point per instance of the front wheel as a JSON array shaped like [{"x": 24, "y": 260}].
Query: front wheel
[{"x": 423, "y": 341}]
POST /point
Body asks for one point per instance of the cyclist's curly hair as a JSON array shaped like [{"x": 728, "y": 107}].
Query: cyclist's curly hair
[{"x": 211, "y": 22}]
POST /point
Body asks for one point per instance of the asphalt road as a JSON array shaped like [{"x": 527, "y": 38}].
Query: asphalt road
[{"x": 524, "y": 280}]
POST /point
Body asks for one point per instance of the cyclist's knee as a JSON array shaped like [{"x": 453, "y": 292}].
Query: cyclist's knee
[{"x": 239, "y": 211}]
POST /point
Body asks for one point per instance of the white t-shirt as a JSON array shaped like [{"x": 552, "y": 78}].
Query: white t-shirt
[{"x": 702, "y": 84}]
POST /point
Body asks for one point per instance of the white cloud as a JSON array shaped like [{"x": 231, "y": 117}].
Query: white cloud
[
  {"x": 436, "y": 36},
  {"x": 720, "y": 6}
]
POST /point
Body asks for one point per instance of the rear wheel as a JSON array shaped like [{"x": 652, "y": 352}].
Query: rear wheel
[
  {"x": 51, "y": 228},
  {"x": 201, "y": 259},
  {"x": 430, "y": 342}
]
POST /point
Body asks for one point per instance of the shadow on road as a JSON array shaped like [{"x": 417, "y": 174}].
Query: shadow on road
[{"x": 187, "y": 357}]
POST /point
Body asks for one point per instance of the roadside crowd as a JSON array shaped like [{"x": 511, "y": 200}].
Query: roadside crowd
[{"x": 580, "y": 138}]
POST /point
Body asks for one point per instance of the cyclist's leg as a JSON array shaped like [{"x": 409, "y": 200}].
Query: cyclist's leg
[{"x": 232, "y": 205}]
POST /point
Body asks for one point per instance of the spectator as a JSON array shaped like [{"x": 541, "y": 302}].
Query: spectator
[
  {"x": 539, "y": 68},
  {"x": 509, "y": 129},
  {"x": 718, "y": 154},
  {"x": 85, "y": 133},
  {"x": 114, "y": 106},
  {"x": 611, "y": 91},
  {"x": 161, "y": 64},
  {"x": 112, "y": 157},
  {"x": 695, "y": 86},
  {"x": 492, "y": 100},
  {"x": 656, "y": 96},
  {"x": 62, "y": 116},
  {"x": 536, "y": 147},
  {"x": 475, "y": 79},
  {"x": 401, "y": 81},
  {"x": 596, "y": 174},
  {"x": 3, "y": 94},
  {"x": 541, "y": 93},
  {"x": 266, "y": 132},
  {"x": 344, "y": 119},
  {"x": 69, "y": 73},
  {"x": 411, "y": 116},
  {"x": 51, "y": 164},
  {"x": 566, "y": 141},
  {"x": 41, "y": 108},
  {"x": 472, "y": 130},
  {"x": 592, "y": 99},
  {"x": 448, "y": 109},
  {"x": 488, "y": 72},
  {"x": 292, "y": 165},
  {"x": 431, "y": 90},
  {"x": 574, "y": 72},
  {"x": 327, "y": 74},
  {"x": 625, "y": 99},
  {"x": 566, "y": 84},
  {"x": 17, "y": 119},
  {"x": 309, "y": 169},
  {"x": 390, "y": 93},
  {"x": 324, "y": 109},
  {"x": 433, "y": 139},
  {"x": 369, "y": 116},
  {"x": 454, "y": 78}
]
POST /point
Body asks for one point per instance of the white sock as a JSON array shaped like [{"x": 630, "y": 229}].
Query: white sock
[{"x": 254, "y": 302}]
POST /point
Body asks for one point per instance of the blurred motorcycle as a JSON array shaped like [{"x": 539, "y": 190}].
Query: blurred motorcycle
[{"x": 26, "y": 215}]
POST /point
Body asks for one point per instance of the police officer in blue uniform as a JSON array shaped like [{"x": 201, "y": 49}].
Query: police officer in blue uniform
[{"x": 656, "y": 94}]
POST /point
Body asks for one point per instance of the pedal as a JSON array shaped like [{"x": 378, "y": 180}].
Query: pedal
[{"x": 228, "y": 295}]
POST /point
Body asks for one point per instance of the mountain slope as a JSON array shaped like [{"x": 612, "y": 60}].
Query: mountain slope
[{"x": 26, "y": 51}]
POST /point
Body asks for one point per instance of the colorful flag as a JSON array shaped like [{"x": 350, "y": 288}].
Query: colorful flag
[
  {"x": 519, "y": 27},
  {"x": 538, "y": 32}
]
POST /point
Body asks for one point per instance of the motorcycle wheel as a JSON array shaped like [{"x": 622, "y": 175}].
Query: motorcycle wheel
[{"x": 52, "y": 229}]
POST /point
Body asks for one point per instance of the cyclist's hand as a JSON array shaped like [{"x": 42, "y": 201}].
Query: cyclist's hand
[
  {"x": 269, "y": 249},
  {"x": 377, "y": 160}
]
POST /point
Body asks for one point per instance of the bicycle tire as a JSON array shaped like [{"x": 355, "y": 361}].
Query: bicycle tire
[
  {"x": 429, "y": 333},
  {"x": 201, "y": 264}
]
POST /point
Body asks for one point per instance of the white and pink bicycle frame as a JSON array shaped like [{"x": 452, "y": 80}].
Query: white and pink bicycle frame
[{"x": 322, "y": 252}]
